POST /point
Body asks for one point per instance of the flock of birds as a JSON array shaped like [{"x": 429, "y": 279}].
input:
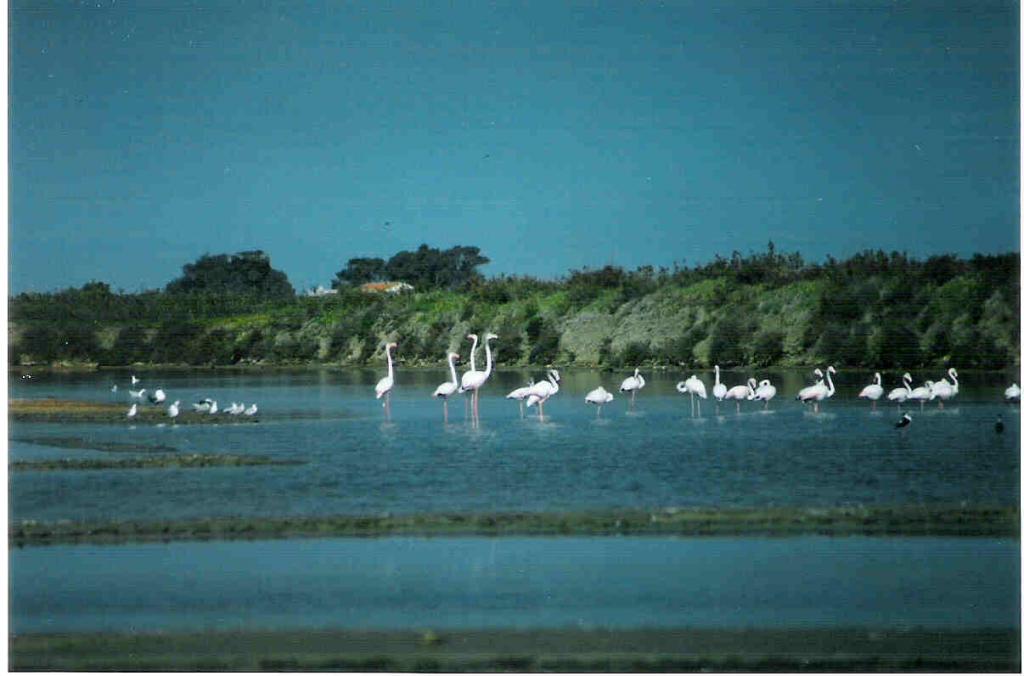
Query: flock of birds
[
  {"x": 536, "y": 393},
  {"x": 158, "y": 397}
]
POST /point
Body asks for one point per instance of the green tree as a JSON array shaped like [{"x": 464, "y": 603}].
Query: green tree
[{"x": 247, "y": 273}]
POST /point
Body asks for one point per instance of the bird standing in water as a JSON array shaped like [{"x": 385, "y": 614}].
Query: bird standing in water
[{"x": 904, "y": 421}]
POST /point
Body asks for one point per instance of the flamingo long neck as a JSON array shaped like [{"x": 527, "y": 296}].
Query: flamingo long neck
[
  {"x": 717, "y": 381},
  {"x": 831, "y": 387},
  {"x": 553, "y": 381},
  {"x": 487, "y": 349},
  {"x": 391, "y": 368},
  {"x": 451, "y": 365},
  {"x": 878, "y": 379},
  {"x": 952, "y": 375},
  {"x": 906, "y": 381},
  {"x": 472, "y": 355}
]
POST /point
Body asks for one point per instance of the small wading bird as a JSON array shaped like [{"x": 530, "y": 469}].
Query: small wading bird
[
  {"x": 633, "y": 384},
  {"x": 133, "y": 411},
  {"x": 445, "y": 390},
  {"x": 873, "y": 391},
  {"x": 693, "y": 385},
  {"x": 1012, "y": 393},
  {"x": 135, "y": 381},
  {"x": 137, "y": 394},
  {"x": 765, "y": 392},
  {"x": 543, "y": 391},
  {"x": 157, "y": 397},
  {"x": 172, "y": 410},
  {"x": 203, "y": 405},
  {"x": 903, "y": 422},
  {"x": 472, "y": 381},
  {"x": 385, "y": 384},
  {"x": 520, "y": 394},
  {"x": 599, "y": 398},
  {"x": 252, "y": 410},
  {"x": 741, "y": 392}
]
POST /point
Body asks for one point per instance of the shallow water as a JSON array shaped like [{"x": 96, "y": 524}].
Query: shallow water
[
  {"x": 654, "y": 455},
  {"x": 417, "y": 583}
]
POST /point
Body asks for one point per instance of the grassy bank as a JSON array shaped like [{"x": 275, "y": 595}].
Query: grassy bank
[
  {"x": 189, "y": 461},
  {"x": 565, "y": 650},
  {"x": 63, "y": 410},
  {"x": 911, "y": 521}
]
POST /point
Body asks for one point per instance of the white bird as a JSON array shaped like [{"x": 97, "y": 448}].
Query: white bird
[
  {"x": 235, "y": 408},
  {"x": 820, "y": 390},
  {"x": 202, "y": 406},
  {"x": 135, "y": 381},
  {"x": 1012, "y": 393},
  {"x": 741, "y": 392},
  {"x": 158, "y": 397},
  {"x": 213, "y": 407},
  {"x": 873, "y": 391},
  {"x": 520, "y": 394},
  {"x": 543, "y": 391},
  {"x": 693, "y": 385},
  {"x": 944, "y": 390},
  {"x": 385, "y": 384},
  {"x": 113, "y": 388},
  {"x": 252, "y": 410},
  {"x": 719, "y": 390},
  {"x": 172, "y": 410},
  {"x": 472, "y": 381},
  {"x": 133, "y": 410},
  {"x": 765, "y": 392},
  {"x": 599, "y": 397},
  {"x": 445, "y": 390},
  {"x": 633, "y": 384},
  {"x": 900, "y": 394},
  {"x": 922, "y": 394},
  {"x": 472, "y": 365},
  {"x": 137, "y": 394}
]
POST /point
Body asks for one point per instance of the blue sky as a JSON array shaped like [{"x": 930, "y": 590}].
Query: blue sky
[{"x": 552, "y": 135}]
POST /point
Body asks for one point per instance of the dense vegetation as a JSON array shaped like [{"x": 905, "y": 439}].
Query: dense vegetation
[{"x": 875, "y": 309}]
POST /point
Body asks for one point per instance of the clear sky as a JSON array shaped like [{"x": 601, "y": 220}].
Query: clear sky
[{"x": 553, "y": 135}]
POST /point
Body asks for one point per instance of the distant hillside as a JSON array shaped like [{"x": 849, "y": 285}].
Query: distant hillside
[{"x": 873, "y": 310}]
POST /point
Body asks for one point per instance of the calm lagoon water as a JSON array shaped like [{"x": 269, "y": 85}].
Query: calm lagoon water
[
  {"x": 654, "y": 456},
  {"x": 415, "y": 583}
]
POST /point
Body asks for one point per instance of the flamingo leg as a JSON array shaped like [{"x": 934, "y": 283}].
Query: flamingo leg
[
  {"x": 446, "y": 410},
  {"x": 599, "y": 410},
  {"x": 632, "y": 398},
  {"x": 522, "y": 412}
]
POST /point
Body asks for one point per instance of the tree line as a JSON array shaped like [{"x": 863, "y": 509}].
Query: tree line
[{"x": 874, "y": 309}]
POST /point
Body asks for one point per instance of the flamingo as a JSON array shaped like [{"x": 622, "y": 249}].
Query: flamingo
[
  {"x": 520, "y": 394},
  {"x": 1012, "y": 393},
  {"x": 600, "y": 397},
  {"x": 923, "y": 393},
  {"x": 873, "y": 391},
  {"x": 693, "y": 385},
  {"x": 472, "y": 364},
  {"x": 447, "y": 389},
  {"x": 172, "y": 410},
  {"x": 741, "y": 392},
  {"x": 633, "y": 384},
  {"x": 472, "y": 381},
  {"x": 765, "y": 392},
  {"x": 820, "y": 390},
  {"x": 719, "y": 389},
  {"x": 944, "y": 390},
  {"x": 133, "y": 411},
  {"x": 543, "y": 391},
  {"x": 900, "y": 394},
  {"x": 385, "y": 384}
]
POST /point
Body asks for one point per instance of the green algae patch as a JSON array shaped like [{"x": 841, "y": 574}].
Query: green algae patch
[
  {"x": 685, "y": 522},
  {"x": 81, "y": 443},
  {"x": 534, "y": 650},
  {"x": 183, "y": 461}
]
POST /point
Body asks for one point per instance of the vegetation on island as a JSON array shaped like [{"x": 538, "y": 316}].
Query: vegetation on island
[{"x": 872, "y": 310}]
